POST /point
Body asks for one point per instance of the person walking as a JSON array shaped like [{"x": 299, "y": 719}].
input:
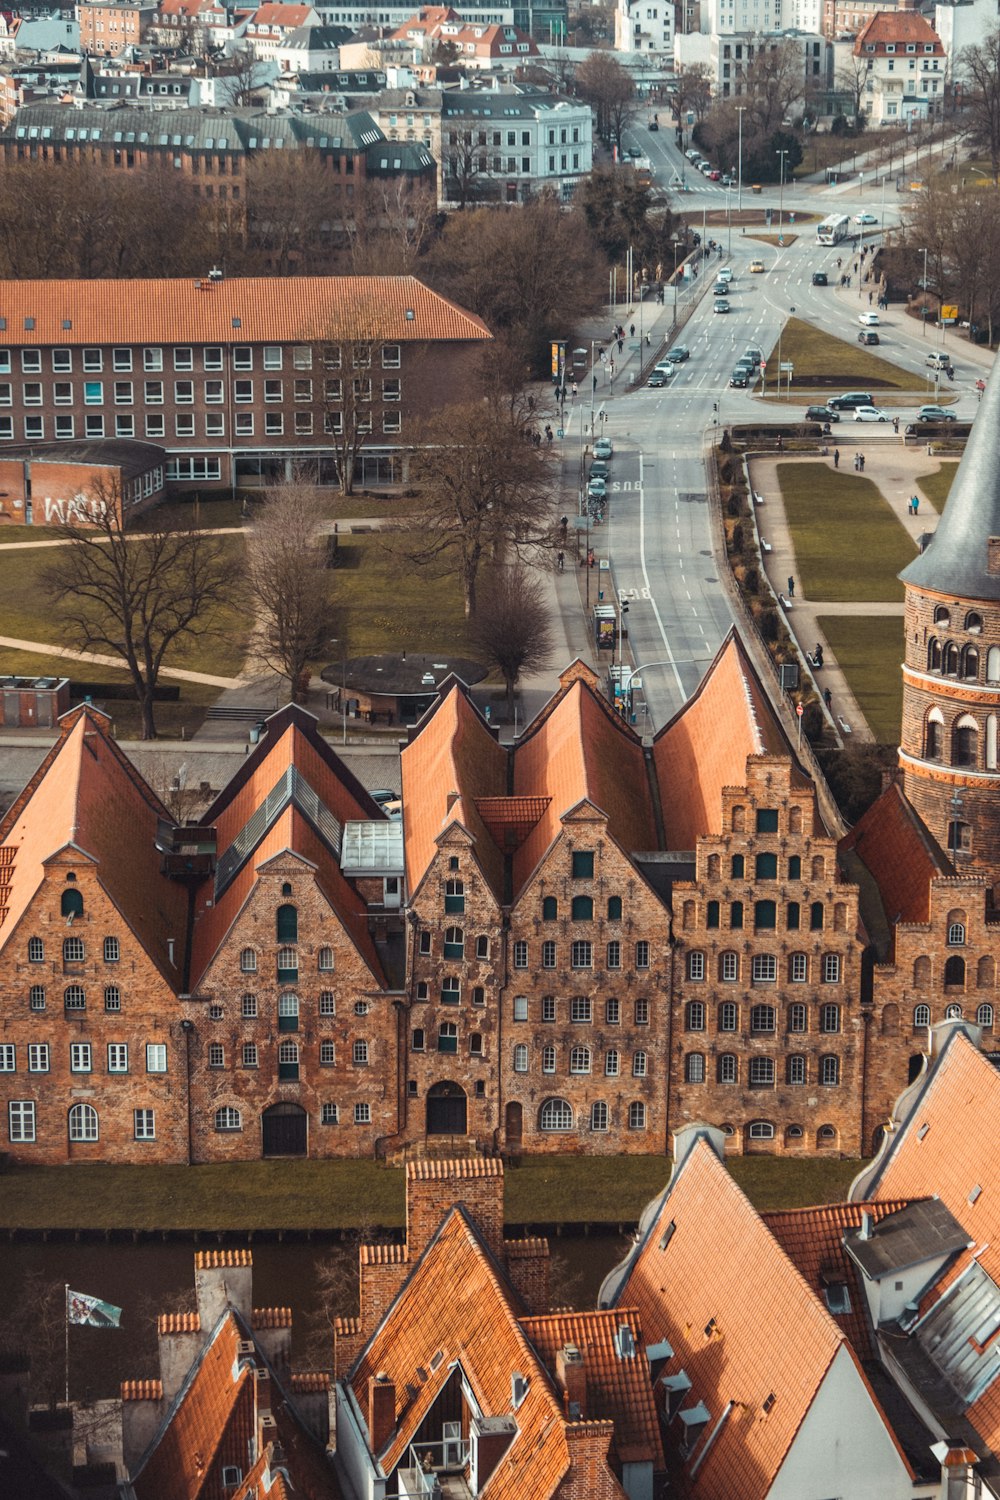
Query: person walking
[
  {"x": 836, "y": 458},
  {"x": 895, "y": 425},
  {"x": 631, "y": 330},
  {"x": 861, "y": 462},
  {"x": 561, "y": 560},
  {"x": 828, "y": 699},
  {"x": 791, "y": 587}
]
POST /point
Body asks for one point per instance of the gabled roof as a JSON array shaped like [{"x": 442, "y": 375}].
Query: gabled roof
[
  {"x": 269, "y": 309},
  {"x": 901, "y": 855},
  {"x": 741, "y": 1337},
  {"x": 87, "y": 796},
  {"x": 617, "y": 1383},
  {"x": 292, "y": 795},
  {"x": 897, "y": 27},
  {"x": 705, "y": 746},
  {"x": 456, "y": 1307},
  {"x": 452, "y": 762},
  {"x": 579, "y": 750}
]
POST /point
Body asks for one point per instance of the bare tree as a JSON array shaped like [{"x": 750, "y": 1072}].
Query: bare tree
[
  {"x": 289, "y": 580},
  {"x": 609, "y": 88},
  {"x": 34, "y": 1325},
  {"x": 852, "y": 80},
  {"x": 775, "y": 81},
  {"x": 485, "y": 491},
  {"x": 355, "y": 380},
  {"x": 511, "y": 625},
  {"x": 289, "y": 211},
  {"x": 465, "y": 168},
  {"x": 137, "y": 594},
  {"x": 391, "y": 227},
  {"x": 693, "y": 91},
  {"x": 245, "y": 75},
  {"x": 980, "y": 65}
]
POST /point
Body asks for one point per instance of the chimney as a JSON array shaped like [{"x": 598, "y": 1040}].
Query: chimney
[
  {"x": 263, "y": 1386},
  {"x": 572, "y": 1377},
  {"x": 223, "y": 1278},
  {"x": 451, "y": 799},
  {"x": 381, "y": 1410},
  {"x": 865, "y": 1232}
]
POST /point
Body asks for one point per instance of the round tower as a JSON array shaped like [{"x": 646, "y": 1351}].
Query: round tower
[{"x": 951, "y": 670}]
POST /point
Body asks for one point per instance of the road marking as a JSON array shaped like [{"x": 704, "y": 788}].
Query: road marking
[{"x": 645, "y": 575}]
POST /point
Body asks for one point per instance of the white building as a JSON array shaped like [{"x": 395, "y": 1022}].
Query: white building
[
  {"x": 729, "y": 56},
  {"x": 644, "y": 26},
  {"x": 906, "y": 68}
]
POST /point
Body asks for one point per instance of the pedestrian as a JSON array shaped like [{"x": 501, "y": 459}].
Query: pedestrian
[
  {"x": 574, "y": 390},
  {"x": 895, "y": 425},
  {"x": 594, "y": 379},
  {"x": 548, "y": 433},
  {"x": 916, "y": 504},
  {"x": 791, "y": 587},
  {"x": 839, "y": 263},
  {"x": 561, "y": 560},
  {"x": 780, "y": 444},
  {"x": 828, "y": 699},
  {"x": 621, "y": 345},
  {"x": 531, "y": 403},
  {"x": 836, "y": 458},
  {"x": 870, "y": 296},
  {"x": 631, "y": 330},
  {"x": 857, "y": 463},
  {"x": 861, "y": 462},
  {"x": 951, "y": 372},
  {"x": 647, "y": 341}
]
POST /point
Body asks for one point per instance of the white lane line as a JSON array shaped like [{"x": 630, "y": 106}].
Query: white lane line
[{"x": 645, "y": 575}]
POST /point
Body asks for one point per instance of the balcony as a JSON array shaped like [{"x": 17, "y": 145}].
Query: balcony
[{"x": 436, "y": 1469}]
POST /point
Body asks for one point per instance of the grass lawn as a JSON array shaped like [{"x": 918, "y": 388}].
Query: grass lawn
[
  {"x": 937, "y": 486},
  {"x": 28, "y": 615},
  {"x": 869, "y": 652},
  {"x": 849, "y": 546},
  {"x": 384, "y": 603},
  {"x": 210, "y": 511},
  {"x": 347, "y": 1194},
  {"x": 818, "y": 355}
]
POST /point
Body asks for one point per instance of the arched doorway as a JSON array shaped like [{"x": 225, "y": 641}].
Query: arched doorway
[
  {"x": 284, "y": 1130},
  {"x": 513, "y": 1126},
  {"x": 446, "y": 1110}
]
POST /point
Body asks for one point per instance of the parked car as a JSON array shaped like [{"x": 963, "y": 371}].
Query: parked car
[
  {"x": 865, "y": 219},
  {"x": 868, "y": 319},
  {"x": 868, "y": 336},
  {"x": 633, "y": 152},
  {"x": 721, "y": 305},
  {"x": 727, "y": 181},
  {"x": 935, "y": 414},
  {"x": 599, "y": 470},
  {"x": 714, "y": 175},
  {"x": 870, "y": 414},
  {"x": 383, "y": 794},
  {"x": 756, "y": 266},
  {"x": 678, "y": 354},
  {"x": 820, "y": 278},
  {"x": 603, "y": 448},
  {"x": 822, "y": 414},
  {"x": 693, "y": 155},
  {"x": 754, "y": 355},
  {"x": 849, "y": 400},
  {"x": 597, "y": 489},
  {"x": 740, "y": 377}
]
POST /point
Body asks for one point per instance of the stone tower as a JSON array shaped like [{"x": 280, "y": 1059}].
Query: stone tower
[{"x": 951, "y": 672}]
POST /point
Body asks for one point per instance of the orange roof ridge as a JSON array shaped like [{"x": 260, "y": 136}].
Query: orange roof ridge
[
  {"x": 383, "y": 1255},
  {"x": 180, "y": 1322},
  {"x": 459, "y": 1166},
  {"x": 271, "y": 1317},
  {"x": 142, "y": 1390},
  {"x": 207, "y": 1260}
]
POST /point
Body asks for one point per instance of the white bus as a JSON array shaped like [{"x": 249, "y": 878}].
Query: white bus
[{"x": 834, "y": 229}]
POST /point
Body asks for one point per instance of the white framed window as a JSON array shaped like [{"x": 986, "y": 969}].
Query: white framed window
[
  {"x": 614, "y": 955},
  {"x": 117, "y": 1057},
  {"x": 761, "y": 1072},
  {"x": 8, "y": 1061},
  {"x": 761, "y": 1130},
  {"x": 74, "y": 997},
  {"x": 248, "y": 961},
  {"x": 327, "y": 1003},
  {"x": 216, "y": 1055},
  {"x": 694, "y": 1067},
  {"x": 144, "y": 1124},
  {"x": 212, "y": 359},
  {"x": 36, "y": 997},
  {"x": 556, "y": 1115},
  {"x": 520, "y": 1007},
  {"x": 763, "y": 1018},
  {"x": 228, "y": 1118},
  {"x": 579, "y": 1060},
  {"x": 831, "y": 968},
  {"x": 694, "y": 1019},
  {"x": 112, "y": 950},
  {"x": 250, "y": 1059},
  {"x": 764, "y": 968},
  {"x": 612, "y": 1011},
  {"x": 80, "y": 1057},
  {"x": 362, "y": 1114},
  {"x": 520, "y": 1058},
  {"x": 21, "y": 1121},
  {"x": 580, "y": 1008},
  {"x": 156, "y": 1057},
  {"x": 639, "y": 1065},
  {"x": 599, "y": 1115},
  {"x": 38, "y": 1057},
  {"x": 248, "y": 1007},
  {"x": 642, "y": 955},
  {"x": 548, "y": 954},
  {"x": 829, "y": 1071},
  {"x": 36, "y": 951},
  {"x": 329, "y": 1114},
  {"x": 729, "y": 968},
  {"x": 582, "y": 955},
  {"x": 548, "y": 1059},
  {"x": 359, "y": 1054},
  {"x": 798, "y": 968},
  {"x": 637, "y": 1115},
  {"x": 74, "y": 950},
  {"x": 922, "y": 1015},
  {"x": 325, "y": 961},
  {"x": 83, "y": 1123},
  {"x": 612, "y": 1063}
]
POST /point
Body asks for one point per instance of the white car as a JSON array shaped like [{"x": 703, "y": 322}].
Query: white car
[
  {"x": 865, "y": 219},
  {"x": 870, "y": 414},
  {"x": 725, "y": 274},
  {"x": 665, "y": 367},
  {"x": 868, "y": 319}
]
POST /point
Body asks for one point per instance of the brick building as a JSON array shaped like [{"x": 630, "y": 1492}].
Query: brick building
[
  {"x": 236, "y": 380},
  {"x": 109, "y": 27}
]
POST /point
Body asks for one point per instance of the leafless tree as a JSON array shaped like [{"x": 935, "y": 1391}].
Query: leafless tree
[
  {"x": 465, "y": 166},
  {"x": 137, "y": 594},
  {"x": 775, "y": 81},
  {"x": 693, "y": 91},
  {"x": 980, "y": 66},
  {"x": 34, "y": 1325},
  {"x": 610, "y": 90},
  {"x": 289, "y": 580},
  {"x": 485, "y": 491},
  {"x": 391, "y": 227},
  {"x": 245, "y": 75},
  {"x": 511, "y": 627},
  {"x": 289, "y": 213},
  {"x": 852, "y": 80}
]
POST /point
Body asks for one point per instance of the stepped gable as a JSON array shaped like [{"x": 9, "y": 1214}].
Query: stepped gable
[
  {"x": 705, "y": 746},
  {"x": 899, "y": 853},
  {"x": 813, "y": 1240},
  {"x": 289, "y": 770},
  {"x": 959, "y": 559},
  {"x": 450, "y": 765},
  {"x": 741, "y": 1338},
  {"x": 578, "y": 750},
  {"x": 617, "y": 1383},
  {"x": 88, "y": 797},
  {"x": 456, "y": 1305}
]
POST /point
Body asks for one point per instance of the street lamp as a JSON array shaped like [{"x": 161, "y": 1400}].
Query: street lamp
[
  {"x": 923, "y": 306},
  {"x": 781, "y": 193},
  {"x": 676, "y": 240},
  {"x": 739, "y": 179}
]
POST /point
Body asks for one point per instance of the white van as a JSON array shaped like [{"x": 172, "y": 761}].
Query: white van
[{"x": 938, "y": 360}]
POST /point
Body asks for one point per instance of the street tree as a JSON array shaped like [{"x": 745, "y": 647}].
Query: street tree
[
  {"x": 465, "y": 167},
  {"x": 245, "y": 76},
  {"x": 289, "y": 580},
  {"x": 610, "y": 91},
  {"x": 486, "y": 492},
  {"x": 960, "y": 230},
  {"x": 851, "y": 79},
  {"x": 510, "y": 628},
  {"x": 138, "y": 594},
  {"x": 693, "y": 91},
  {"x": 775, "y": 82},
  {"x": 979, "y": 68},
  {"x": 620, "y": 212},
  {"x": 391, "y": 227}
]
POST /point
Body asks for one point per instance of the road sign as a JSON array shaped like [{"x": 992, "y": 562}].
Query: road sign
[
  {"x": 948, "y": 311},
  {"x": 559, "y": 432},
  {"x": 799, "y": 709},
  {"x": 786, "y": 367},
  {"x": 763, "y": 364}
]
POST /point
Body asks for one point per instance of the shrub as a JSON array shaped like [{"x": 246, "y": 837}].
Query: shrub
[{"x": 768, "y": 624}]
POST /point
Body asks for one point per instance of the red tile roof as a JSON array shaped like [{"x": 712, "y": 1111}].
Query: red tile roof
[
  {"x": 142, "y": 1390},
  {"x": 740, "y": 1337},
  {"x": 704, "y": 747},
  {"x": 897, "y": 27},
  {"x": 901, "y": 855},
  {"x": 249, "y": 309},
  {"x": 616, "y": 1387},
  {"x": 87, "y": 795},
  {"x": 276, "y": 14}
]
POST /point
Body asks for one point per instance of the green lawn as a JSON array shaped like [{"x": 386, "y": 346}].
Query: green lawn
[
  {"x": 849, "y": 545},
  {"x": 817, "y": 354},
  {"x": 937, "y": 486},
  {"x": 870, "y": 653},
  {"x": 384, "y": 603},
  {"x": 347, "y": 1194}
]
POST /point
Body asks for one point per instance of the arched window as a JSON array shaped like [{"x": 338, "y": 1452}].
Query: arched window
[
  {"x": 729, "y": 967},
  {"x": 953, "y": 1013},
  {"x": 74, "y": 997},
  {"x": 555, "y": 1114},
  {"x": 798, "y": 968},
  {"x": 829, "y": 1018},
  {"x": 954, "y": 970},
  {"x": 288, "y": 965},
  {"x": 766, "y": 867},
  {"x": 454, "y": 942},
  {"x": 934, "y": 735},
  {"x": 74, "y": 950},
  {"x": 795, "y": 867},
  {"x": 637, "y": 1115},
  {"x": 974, "y": 622},
  {"x": 550, "y": 909},
  {"x": 112, "y": 950},
  {"x": 793, "y": 1134},
  {"x": 325, "y": 961},
  {"x": 795, "y": 1070},
  {"x": 985, "y": 973},
  {"x": 71, "y": 903},
  {"x": 614, "y": 908},
  {"x": 921, "y": 1015},
  {"x": 933, "y": 654},
  {"x": 712, "y": 914},
  {"x": 970, "y": 663},
  {"x": 737, "y": 866},
  {"x": 579, "y": 1060},
  {"x": 991, "y": 742},
  {"x": 949, "y": 659},
  {"x": 288, "y": 1060},
  {"x": 714, "y": 867},
  {"x": 582, "y": 909},
  {"x": 793, "y": 916},
  {"x": 993, "y": 664},
  {"x": 640, "y": 1064},
  {"x": 726, "y": 1068},
  {"x": 956, "y": 934},
  {"x": 829, "y": 1072},
  {"x": 83, "y": 1123},
  {"x": 761, "y": 1072},
  {"x": 798, "y": 1017},
  {"x": 816, "y": 916},
  {"x": 959, "y": 838},
  {"x": 248, "y": 961},
  {"x": 288, "y": 1012},
  {"x": 287, "y": 924},
  {"x": 765, "y": 916},
  {"x": 598, "y": 1115},
  {"x": 696, "y": 965},
  {"x": 687, "y": 915},
  {"x": 694, "y": 1067},
  {"x": 890, "y": 1020},
  {"x": 36, "y": 951},
  {"x": 818, "y": 867},
  {"x": 695, "y": 1016},
  {"x": 760, "y": 1130},
  {"x": 612, "y": 1063},
  {"x": 984, "y": 1017},
  {"x": 736, "y": 915},
  {"x": 454, "y": 896},
  {"x": 965, "y": 741},
  {"x": 728, "y": 1018},
  {"x": 826, "y": 1136},
  {"x": 228, "y": 1118},
  {"x": 942, "y": 616},
  {"x": 762, "y": 1018},
  {"x": 922, "y": 973}
]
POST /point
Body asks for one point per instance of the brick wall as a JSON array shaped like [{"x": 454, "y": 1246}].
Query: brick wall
[
  {"x": 528, "y": 1266},
  {"x": 434, "y": 1187}
]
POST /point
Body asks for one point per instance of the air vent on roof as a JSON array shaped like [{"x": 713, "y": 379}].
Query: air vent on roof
[
  {"x": 518, "y": 1389},
  {"x": 923, "y": 1131},
  {"x": 975, "y": 1193},
  {"x": 667, "y": 1235},
  {"x": 769, "y": 1402},
  {"x": 624, "y": 1342}
]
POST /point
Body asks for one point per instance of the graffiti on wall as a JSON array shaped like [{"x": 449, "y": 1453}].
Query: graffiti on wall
[{"x": 78, "y": 507}]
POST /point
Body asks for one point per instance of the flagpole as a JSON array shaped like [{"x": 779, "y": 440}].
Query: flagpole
[{"x": 66, "y": 1314}]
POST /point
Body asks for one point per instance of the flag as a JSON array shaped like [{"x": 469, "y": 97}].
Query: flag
[{"x": 91, "y": 1311}]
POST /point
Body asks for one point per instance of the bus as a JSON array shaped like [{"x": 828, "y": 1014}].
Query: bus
[{"x": 834, "y": 229}]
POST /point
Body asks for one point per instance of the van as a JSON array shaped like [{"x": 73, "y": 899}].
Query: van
[{"x": 937, "y": 360}]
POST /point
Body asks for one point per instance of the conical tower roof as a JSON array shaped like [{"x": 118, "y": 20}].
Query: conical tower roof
[{"x": 958, "y": 558}]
